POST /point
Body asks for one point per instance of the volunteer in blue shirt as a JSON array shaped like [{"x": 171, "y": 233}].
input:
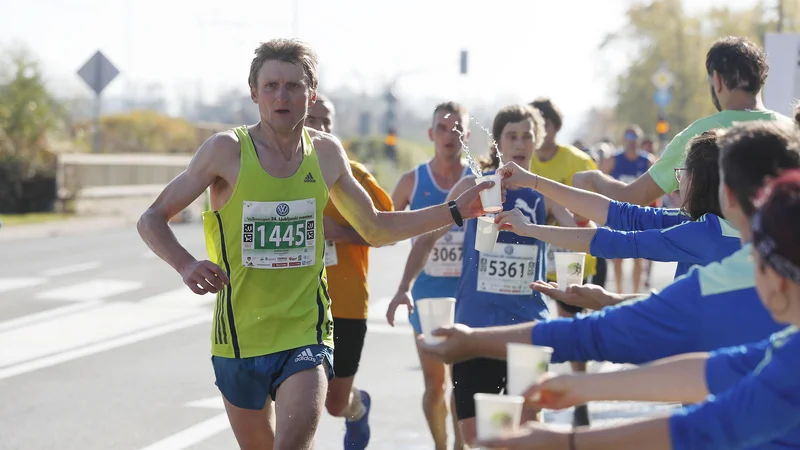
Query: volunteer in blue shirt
[
  {"x": 485, "y": 297},
  {"x": 746, "y": 397},
  {"x": 710, "y": 307},
  {"x": 697, "y": 234}
]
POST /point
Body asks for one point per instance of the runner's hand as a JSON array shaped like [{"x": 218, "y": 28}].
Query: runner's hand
[
  {"x": 516, "y": 176},
  {"x": 513, "y": 221},
  {"x": 456, "y": 346},
  {"x": 590, "y": 296},
  {"x": 530, "y": 436},
  {"x": 555, "y": 392},
  {"x": 401, "y": 298},
  {"x": 469, "y": 203},
  {"x": 204, "y": 277}
]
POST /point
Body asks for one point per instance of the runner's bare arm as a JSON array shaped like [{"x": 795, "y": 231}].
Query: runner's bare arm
[
  {"x": 424, "y": 244},
  {"x": 381, "y": 228},
  {"x": 401, "y": 196},
  {"x": 607, "y": 166},
  {"x": 342, "y": 233},
  {"x": 564, "y": 217},
  {"x": 202, "y": 170}
]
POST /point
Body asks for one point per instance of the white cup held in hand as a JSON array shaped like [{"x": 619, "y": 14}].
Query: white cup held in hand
[
  {"x": 525, "y": 363},
  {"x": 496, "y": 414},
  {"x": 492, "y": 198},
  {"x": 435, "y": 313},
  {"x": 569, "y": 268},
  {"x": 486, "y": 234}
]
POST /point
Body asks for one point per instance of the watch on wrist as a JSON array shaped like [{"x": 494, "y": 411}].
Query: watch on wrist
[{"x": 455, "y": 213}]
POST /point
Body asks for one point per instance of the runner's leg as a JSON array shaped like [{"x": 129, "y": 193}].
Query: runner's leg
[
  {"x": 637, "y": 275},
  {"x": 299, "y": 403},
  {"x": 343, "y": 399},
  {"x": 433, "y": 402},
  {"x": 458, "y": 442},
  {"x": 472, "y": 377},
  {"x": 618, "y": 277},
  {"x": 253, "y": 429},
  {"x": 581, "y": 415}
]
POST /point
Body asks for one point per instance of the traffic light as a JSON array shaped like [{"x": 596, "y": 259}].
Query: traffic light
[
  {"x": 391, "y": 145},
  {"x": 662, "y": 127}
]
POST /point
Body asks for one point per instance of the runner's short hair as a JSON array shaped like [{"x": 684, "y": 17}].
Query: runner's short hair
[
  {"x": 287, "y": 50},
  {"x": 453, "y": 108}
]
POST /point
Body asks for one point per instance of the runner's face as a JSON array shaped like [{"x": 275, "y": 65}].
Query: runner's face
[
  {"x": 282, "y": 94},
  {"x": 516, "y": 142},
  {"x": 445, "y": 140},
  {"x": 320, "y": 118}
]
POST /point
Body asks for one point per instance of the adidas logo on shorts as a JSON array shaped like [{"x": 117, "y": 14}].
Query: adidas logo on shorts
[
  {"x": 305, "y": 355},
  {"x": 309, "y": 178}
]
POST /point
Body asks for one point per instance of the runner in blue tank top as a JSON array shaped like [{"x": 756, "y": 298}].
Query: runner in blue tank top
[
  {"x": 427, "y": 185},
  {"x": 627, "y": 166},
  {"x": 492, "y": 290}
]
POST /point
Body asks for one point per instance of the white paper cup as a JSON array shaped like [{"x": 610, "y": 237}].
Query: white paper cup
[
  {"x": 496, "y": 414},
  {"x": 435, "y": 313},
  {"x": 526, "y": 363},
  {"x": 486, "y": 234},
  {"x": 492, "y": 198},
  {"x": 569, "y": 268}
]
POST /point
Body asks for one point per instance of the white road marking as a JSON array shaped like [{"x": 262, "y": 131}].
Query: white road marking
[
  {"x": 111, "y": 343},
  {"x": 192, "y": 435},
  {"x": 10, "y": 284},
  {"x": 196, "y": 433},
  {"x": 51, "y": 337},
  {"x": 90, "y": 290},
  {"x": 75, "y": 268},
  {"x": 48, "y": 314},
  {"x": 385, "y": 328}
]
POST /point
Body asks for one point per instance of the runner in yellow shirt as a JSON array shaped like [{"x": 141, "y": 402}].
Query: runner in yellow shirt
[
  {"x": 559, "y": 163},
  {"x": 347, "y": 263},
  {"x": 272, "y": 330}
]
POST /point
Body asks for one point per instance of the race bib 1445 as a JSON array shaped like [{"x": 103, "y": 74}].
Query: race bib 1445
[{"x": 279, "y": 235}]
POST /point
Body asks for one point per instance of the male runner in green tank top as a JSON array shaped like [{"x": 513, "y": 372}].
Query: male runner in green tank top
[{"x": 272, "y": 333}]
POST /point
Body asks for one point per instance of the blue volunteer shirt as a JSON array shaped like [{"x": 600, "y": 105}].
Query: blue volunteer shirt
[
  {"x": 755, "y": 401},
  {"x": 664, "y": 234},
  {"x": 711, "y": 307}
]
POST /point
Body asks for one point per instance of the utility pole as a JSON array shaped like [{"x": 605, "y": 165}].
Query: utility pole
[{"x": 780, "y": 16}]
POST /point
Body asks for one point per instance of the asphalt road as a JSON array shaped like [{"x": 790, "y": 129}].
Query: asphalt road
[{"x": 102, "y": 347}]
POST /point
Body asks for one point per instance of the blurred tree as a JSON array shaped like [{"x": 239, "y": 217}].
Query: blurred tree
[
  {"x": 142, "y": 131},
  {"x": 661, "y": 32},
  {"x": 27, "y": 110}
]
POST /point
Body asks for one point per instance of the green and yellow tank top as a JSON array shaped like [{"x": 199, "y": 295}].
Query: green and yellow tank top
[{"x": 269, "y": 240}]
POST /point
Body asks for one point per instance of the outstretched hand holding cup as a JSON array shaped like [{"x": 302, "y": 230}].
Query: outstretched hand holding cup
[
  {"x": 456, "y": 347},
  {"x": 470, "y": 203}
]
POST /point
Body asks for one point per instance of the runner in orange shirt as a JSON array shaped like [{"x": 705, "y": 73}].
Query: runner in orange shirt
[{"x": 347, "y": 263}]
